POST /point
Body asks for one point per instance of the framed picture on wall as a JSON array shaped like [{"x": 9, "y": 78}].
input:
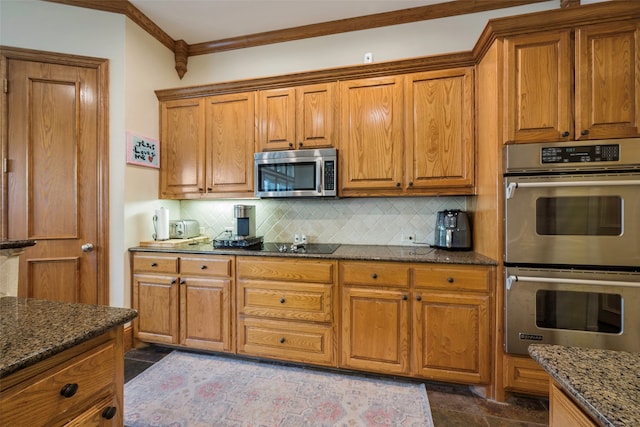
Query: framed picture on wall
[{"x": 143, "y": 151}]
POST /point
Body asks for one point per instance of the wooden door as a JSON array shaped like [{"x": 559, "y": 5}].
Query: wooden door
[
  {"x": 277, "y": 119},
  {"x": 315, "y": 115},
  {"x": 182, "y": 139},
  {"x": 56, "y": 180},
  {"x": 608, "y": 81},
  {"x": 451, "y": 337},
  {"x": 439, "y": 130},
  {"x": 156, "y": 299},
  {"x": 375, "y": 330},
  {"x": 538, "y": 84},
  {"x": 371, "y": 138},
  {"x": 205, "y": 313},
  {"x": 230, "y": 144}
]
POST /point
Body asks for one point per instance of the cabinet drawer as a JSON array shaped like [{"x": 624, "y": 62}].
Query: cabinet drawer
[
  {"x": 375, "y": 274},
  {"x": 458, "y": 277},
  {"x": 299, "y": 342},
  {"x": 286, "y": 269},
  {"x": 310, "y": 302},
  {"x": 155, "y": 264},
  {"x": 525, "y": 375},
  {"x": 206, "y": 266},
  {"x": 42, "y": 401}
]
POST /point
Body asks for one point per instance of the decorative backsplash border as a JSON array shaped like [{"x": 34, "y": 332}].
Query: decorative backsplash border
[{"x": 372, "y": 221}]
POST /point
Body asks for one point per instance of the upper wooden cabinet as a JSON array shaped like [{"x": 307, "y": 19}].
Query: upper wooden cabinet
[
  {"x": 371, "y": 139},
  {"x": 207, "y": 147},
  {"x": 182, "y": 149},
  {"x": 548, "y": 99},
  {"x": 297, "y": 118},
  {"x": 230, "y": 144},
  {"x": 439, "y": 139}
]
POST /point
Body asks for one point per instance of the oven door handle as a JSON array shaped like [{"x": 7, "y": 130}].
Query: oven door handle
[
  {"x": 512, "y": 278},
  {"x": 511, "y": 187}
]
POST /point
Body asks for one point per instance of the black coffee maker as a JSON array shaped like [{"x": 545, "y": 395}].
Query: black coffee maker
[{"x": 453, "y": 230}]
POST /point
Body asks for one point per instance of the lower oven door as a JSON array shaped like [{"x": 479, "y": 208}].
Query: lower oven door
[
  {"x": 573, "y": 219},
  {"x": 573, "y": 308}
]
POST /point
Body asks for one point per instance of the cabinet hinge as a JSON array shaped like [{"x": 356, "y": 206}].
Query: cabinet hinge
[{"x": 5, "y": 86}]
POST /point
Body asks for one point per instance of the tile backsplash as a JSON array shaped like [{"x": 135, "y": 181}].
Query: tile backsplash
[{"x": 373, "y": 221}]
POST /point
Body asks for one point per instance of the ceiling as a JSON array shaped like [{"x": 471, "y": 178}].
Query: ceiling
[{"x": 199, "y": 21}]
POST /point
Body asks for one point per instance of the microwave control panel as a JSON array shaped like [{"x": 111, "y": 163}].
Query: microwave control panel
[{"x": 581, "y": 154}]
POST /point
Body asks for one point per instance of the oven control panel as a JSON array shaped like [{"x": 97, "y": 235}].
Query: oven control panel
[{"x": 582, "y": 154}]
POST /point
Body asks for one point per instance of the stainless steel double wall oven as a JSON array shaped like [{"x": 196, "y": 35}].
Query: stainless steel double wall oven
[{"x": 572, "y": 244}]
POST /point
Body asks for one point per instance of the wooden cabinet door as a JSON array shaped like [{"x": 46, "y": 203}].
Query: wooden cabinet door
[
  {"x": 451, "y": 337},
  {"x": 277, "y": 119},
  {"x": 538, "y": 96},
  {"x": 371, "y": 137},
  {"x": 439, "y": 129},
  {"x": 230, "y": 144},
  {"x": 315, "y": 115},
  {"x": 182, "y": 163},
  {"x": 205, "y": 313},
  {"x": 608, "y": 81},
  {"x": 563, "y": 412},
  {"x": 375, "y": 330},
  {"x": 156, "y": 299}
]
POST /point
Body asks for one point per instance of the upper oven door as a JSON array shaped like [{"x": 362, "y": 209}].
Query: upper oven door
[{"x": 573, "y": 219}]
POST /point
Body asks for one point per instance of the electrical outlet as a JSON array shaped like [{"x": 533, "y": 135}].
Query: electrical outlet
[{"x": 408, "y": 237}]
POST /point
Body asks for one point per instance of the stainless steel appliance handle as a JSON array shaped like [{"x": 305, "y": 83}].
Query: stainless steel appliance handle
[
  {"x": 512, "y": 278},
  {"x": 511, "y": 188}
]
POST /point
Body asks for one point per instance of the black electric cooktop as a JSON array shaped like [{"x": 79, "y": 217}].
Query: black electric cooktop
[{"x": 309, "y": 248}]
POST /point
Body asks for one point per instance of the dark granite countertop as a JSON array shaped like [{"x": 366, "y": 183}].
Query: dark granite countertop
[
  {"x": 16, "y": 244},
  {"x": 32, "y": 330},
  {"x": 346, "y": 252},
  {"x": 604, "y": 383}
]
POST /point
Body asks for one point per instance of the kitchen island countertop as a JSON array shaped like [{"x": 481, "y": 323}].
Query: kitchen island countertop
[
  {"x": 415, "y": 253},
  {"x": 604, "y": 383},
  {"x": 33, "y": 330}
]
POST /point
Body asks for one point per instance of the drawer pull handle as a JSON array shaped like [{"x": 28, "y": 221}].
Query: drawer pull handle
[
  {"x": 419, "y": 298},
  {"x": 68, "y": 390},
  {"x": 282, "y": 300},
  {"x": 203, "y": 267},
  {"x": 282, "y": 340},
  {"x": 109, "y": 412},
  {"x": 154, "y": 264},
  {"x": 450, "y": 280},
  {"x": 374, "y": 276}
]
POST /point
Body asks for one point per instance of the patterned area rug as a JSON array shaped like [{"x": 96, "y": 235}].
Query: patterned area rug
[{"x": 189, "y": 389}]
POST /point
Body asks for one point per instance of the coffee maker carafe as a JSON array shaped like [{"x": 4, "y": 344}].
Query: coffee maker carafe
[
  {"x": 453, "y": 230},
  {"x": 244, "y": 221}
]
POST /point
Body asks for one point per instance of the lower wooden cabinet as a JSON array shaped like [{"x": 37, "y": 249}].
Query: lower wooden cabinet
[
  {"x": 440, "y": 315},
  {"x": 564, "y": 412},
  {"x": 184, "y": 300},
  {"x": 523, "y": 374},
  {"x": 286, "y": 309},
  {"x": 82, "y": 386}
]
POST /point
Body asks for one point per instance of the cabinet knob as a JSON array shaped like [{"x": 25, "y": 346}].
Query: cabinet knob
[
  {"x": 282, "y": 300},
  {"x": 291, "y": 145},
  {"x": 173, "y": 282},
  {"x": 398, "y": 184},
  {"x": 404, "y": 297},
  {"x": 374, "y": 276},
  {"x": 68, "y": 390},
  {"x": 182, "y": 281},
  {"x": 300, "y": 144},
  {"x": 282, "y": 340},
  {"x": 154, "y": 264},
  {"x": 419, "y": 298},
  {"x": 565, "y": 134},
  {"x": 203, "y": 267},
  {"x": 411, "y": 184},
  {"x": 109, "y": 412},
  {"x": 209, "y": 189},
  {"x": 584, "y": 132},
  {"x": 450, "y": 280},
  {"x": 200, "y": 189}
]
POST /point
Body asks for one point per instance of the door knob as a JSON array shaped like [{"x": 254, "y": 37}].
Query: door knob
[{"x": 87, "y": 247}]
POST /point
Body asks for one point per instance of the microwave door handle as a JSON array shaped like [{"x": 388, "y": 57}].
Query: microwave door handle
[
  {"x": 512, "y": 279},
  {"x": 511, "y": 187},
  {"x": 321, "y": 180}
]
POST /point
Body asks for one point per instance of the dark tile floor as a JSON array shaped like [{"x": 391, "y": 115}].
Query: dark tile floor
[{"x": 451, "y": 405}]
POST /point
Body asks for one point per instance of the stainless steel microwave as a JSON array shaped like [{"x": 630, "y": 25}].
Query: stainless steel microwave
[{"x": 296, "y": 173}]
